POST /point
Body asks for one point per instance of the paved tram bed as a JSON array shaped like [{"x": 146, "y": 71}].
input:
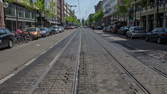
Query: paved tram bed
[{"x": 85, "y": 63}]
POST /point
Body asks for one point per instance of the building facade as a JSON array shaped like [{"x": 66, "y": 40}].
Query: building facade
[
  {"x": 109, "y": 10},
  {"x": 51, "y": 5},
  {"x": 18, "y": 16},
  {"x": 60, "y": 11},
  {"x": 153, "y": 15},
  {"x": 67, "y": 10}
]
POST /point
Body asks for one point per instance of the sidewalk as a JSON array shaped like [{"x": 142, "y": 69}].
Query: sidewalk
[{"x": 13, "y": 59}]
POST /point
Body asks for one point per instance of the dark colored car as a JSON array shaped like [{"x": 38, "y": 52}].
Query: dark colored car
[
  {"x": 158, "y": 34},
  {"x": 44, "y": 32},
  {"x": 136, "y": 32},
  {"x": 7, "y": 38},
  {"x": 99, "y": 28},
  {"x": 123, "y": 30}
]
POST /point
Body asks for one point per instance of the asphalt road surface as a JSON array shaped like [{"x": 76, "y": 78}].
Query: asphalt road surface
[{"x": 85, "y": 63}]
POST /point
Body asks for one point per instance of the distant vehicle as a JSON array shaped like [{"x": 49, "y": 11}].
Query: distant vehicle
[
  {"x": 136, "y": 32},
  {"x": 7, "y": 38},
  {"x": 105, "y": 28},
  {"x": 34, "y": 32},
  {"x": 44, "y": 32},
  {"x": 54, "y": 29},
  {"x": 70, "y": 27},
  {"x": 158, "y": 34},
  {"x": 61, "y": 29},
  {"x": 99, "y": 28},
  {"x": 115, "y": 28},
  {"x": 123, "y": 30},
  {"x": 109, "y": 29}
]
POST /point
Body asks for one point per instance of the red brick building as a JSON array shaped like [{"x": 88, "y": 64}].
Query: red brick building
[{"x": 60, "y": 11}]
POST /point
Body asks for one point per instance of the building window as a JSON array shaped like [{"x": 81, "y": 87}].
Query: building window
[
  {"x": 33, "y": 15},
  {"x": 27, "y": 14},
  {"x": 10, "y": 11},
  {"x": 21, "y": 12}
]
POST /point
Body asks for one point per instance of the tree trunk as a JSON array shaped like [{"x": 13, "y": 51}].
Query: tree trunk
[{"x": 2, "y": 20}]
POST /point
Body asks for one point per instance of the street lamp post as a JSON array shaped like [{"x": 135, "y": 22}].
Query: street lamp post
[
  {"x": 165, "y": 12},
  {"x": 157, "y": 13},
  {"x": 135, "y": 12}
]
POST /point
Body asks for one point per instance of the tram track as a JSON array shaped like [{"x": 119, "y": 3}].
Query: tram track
[
  {"x": 128, "y": 73},
  {"x": 27, "y": 79}
]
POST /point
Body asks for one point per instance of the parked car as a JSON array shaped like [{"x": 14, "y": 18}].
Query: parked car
[
  {"x": 34, "y": 32},
  {"x": 109, "y": 29},
  {"x": 22, "y": 36},
  {"x": 44, "y": 32},
  {"x": 115, "y": 28},
  {"x": 54, "y": 30},
  {"x": 136, "y": 32},
  {"x": 7, "y": 38},
  {"x": 158, "y": 34},
  {"x": 61, "y": 29},
  {"x": 99, "y": 28},
  {"x": 70, "y": 27},
  {"x": 123, "y": 30},
  {"x": 104, "y": 29}
]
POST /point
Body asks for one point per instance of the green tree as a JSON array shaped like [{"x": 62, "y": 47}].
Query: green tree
[
  {"x": 93, "y": 18},
  {"x": 72, "y": 19},
  {"x": 40, "y": 5}
]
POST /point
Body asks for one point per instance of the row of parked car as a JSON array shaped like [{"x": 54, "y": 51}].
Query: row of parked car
[
  {"x": 158, "y": 35},
  {"x": 8, "y": 38}
]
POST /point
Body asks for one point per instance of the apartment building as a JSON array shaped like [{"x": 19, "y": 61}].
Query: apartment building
[{"x": 152, "y": 15}]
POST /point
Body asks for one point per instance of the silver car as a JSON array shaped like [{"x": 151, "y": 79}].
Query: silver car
[{"x": 136, "y": 32}]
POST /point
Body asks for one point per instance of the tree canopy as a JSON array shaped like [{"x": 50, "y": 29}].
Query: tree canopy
[
  {"x": 72, "y": 19},
  {"x": 96, "y": 16}
]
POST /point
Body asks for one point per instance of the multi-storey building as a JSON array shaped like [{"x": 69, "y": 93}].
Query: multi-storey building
[
  {"x": 51, "y": 5},
  {"x": 19, "y": 16},
  {"x": 60, "y": 11},
  {"x": 109, "y": 9},
  {"x": 66, "y": 10},
  {"x": 152, "y": 15}
]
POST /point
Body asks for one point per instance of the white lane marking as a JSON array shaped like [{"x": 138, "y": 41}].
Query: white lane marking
[
  {"x": 38, "y": 45},
  {"x": 44, "y": 52},
  {"x": 61, "y": 52},
  {"x": 31, "y": 61},
  {"x": 6, "y": 78},
  {"x": 25, "y": 65},
  {"x": 15, "y": 72},
  {"x": 50, "y": 65}
]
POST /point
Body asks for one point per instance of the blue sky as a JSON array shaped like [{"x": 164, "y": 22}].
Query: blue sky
[{"x": 86, "y": 7}]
